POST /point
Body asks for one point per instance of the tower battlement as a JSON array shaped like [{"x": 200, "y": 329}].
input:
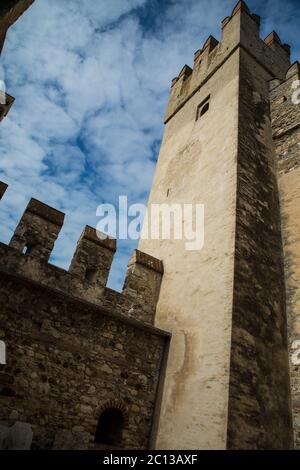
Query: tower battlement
[
  {"x": 240, "y": 30},
  {"x": 31, "y": 246}
]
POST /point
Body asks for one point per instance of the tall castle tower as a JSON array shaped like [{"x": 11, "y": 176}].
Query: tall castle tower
[{"x": 227, "y": 381}]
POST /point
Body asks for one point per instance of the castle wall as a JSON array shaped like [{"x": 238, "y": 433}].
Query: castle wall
[
  {"x": 75, "y": 347},
  {"x": 68, "y": 359},
  {"x": 197, "y": 163},
  {"x": 259, "y": 406},
  {"x": 286, "y": 122},
  {"x": 228, "y": 357}
]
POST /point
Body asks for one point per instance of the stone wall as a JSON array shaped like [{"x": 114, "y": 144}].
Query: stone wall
[
  {"x": 286, "y": 130},
  {"x": 227, "y": 382},
  {"x": 259, "y": 396},
  {"x": 74, "y": 347},
  {"x": 31, "y": 246}
]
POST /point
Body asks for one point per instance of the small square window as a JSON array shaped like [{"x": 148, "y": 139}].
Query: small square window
[{"x": 203, "y": 108}]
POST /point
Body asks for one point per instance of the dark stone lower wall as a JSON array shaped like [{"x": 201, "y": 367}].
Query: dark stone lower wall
[
  {"x": 286, "y": 130},
  {"x": 259, "y": 396},
  {"x": 67, "y": 359}
]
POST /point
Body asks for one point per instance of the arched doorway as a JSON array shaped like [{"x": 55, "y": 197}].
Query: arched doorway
[{"x": 109, "y": 432}]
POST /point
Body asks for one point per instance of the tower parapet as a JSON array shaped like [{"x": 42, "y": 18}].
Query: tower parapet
[{"x": 240, "y": 30}]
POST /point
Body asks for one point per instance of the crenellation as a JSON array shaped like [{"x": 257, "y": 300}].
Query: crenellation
[
  {"x": 93, "y": 258},
  {"x": 272, "y": 38},
  {"x": 142, "y": 285},
  {"x": 293, "y": 71},
  {"x": 274, "y": 42},
  {"x": 185, "y": 72},
  {"x": 37, "y": 230},
  {"x": 209, "y": 44},
  {"x": 31, "y": 246},
  {"x": 240, "y": 6},
  {"x": 239, "y": 31},
  {"x": 77, "y": 342}
]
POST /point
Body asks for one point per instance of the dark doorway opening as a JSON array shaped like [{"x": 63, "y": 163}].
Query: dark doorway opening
[{"x": 110, "y": 428}]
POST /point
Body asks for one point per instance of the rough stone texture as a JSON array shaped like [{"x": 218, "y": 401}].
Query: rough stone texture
[
  {"x": 93, "y": 257},
  {"x": 227, "y": 382},
  {"x": 259, "y": 407},
  {"x": 66, "y": 359},
  {"x": 37, "y": 230},
  {"x": 74, "y": 347},
  {"x": 142, "y": 285},
  {"x": 15, "y": 436},
  {"x": 31, "y": 247},
  {"x": 286, "y": 128}
]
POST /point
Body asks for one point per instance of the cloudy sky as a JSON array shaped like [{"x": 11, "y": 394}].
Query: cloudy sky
[{"x": 91, "y": 80}]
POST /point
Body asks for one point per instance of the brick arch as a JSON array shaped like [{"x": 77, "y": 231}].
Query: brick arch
[{"x": 117, "y": 405}]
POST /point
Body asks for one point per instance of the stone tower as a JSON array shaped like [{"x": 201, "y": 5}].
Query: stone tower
[{"x": 227, "y": 381}]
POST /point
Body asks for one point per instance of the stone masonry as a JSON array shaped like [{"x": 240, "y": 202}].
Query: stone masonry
[
  {"x": 286, "y": 134},
  {"x": 227, "y": 382},
  {"x": 91, "y": 368},
  {"x": 74, "y": 347}
]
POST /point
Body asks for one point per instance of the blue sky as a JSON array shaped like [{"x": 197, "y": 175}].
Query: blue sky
[{"x": 91, "y": 82}]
